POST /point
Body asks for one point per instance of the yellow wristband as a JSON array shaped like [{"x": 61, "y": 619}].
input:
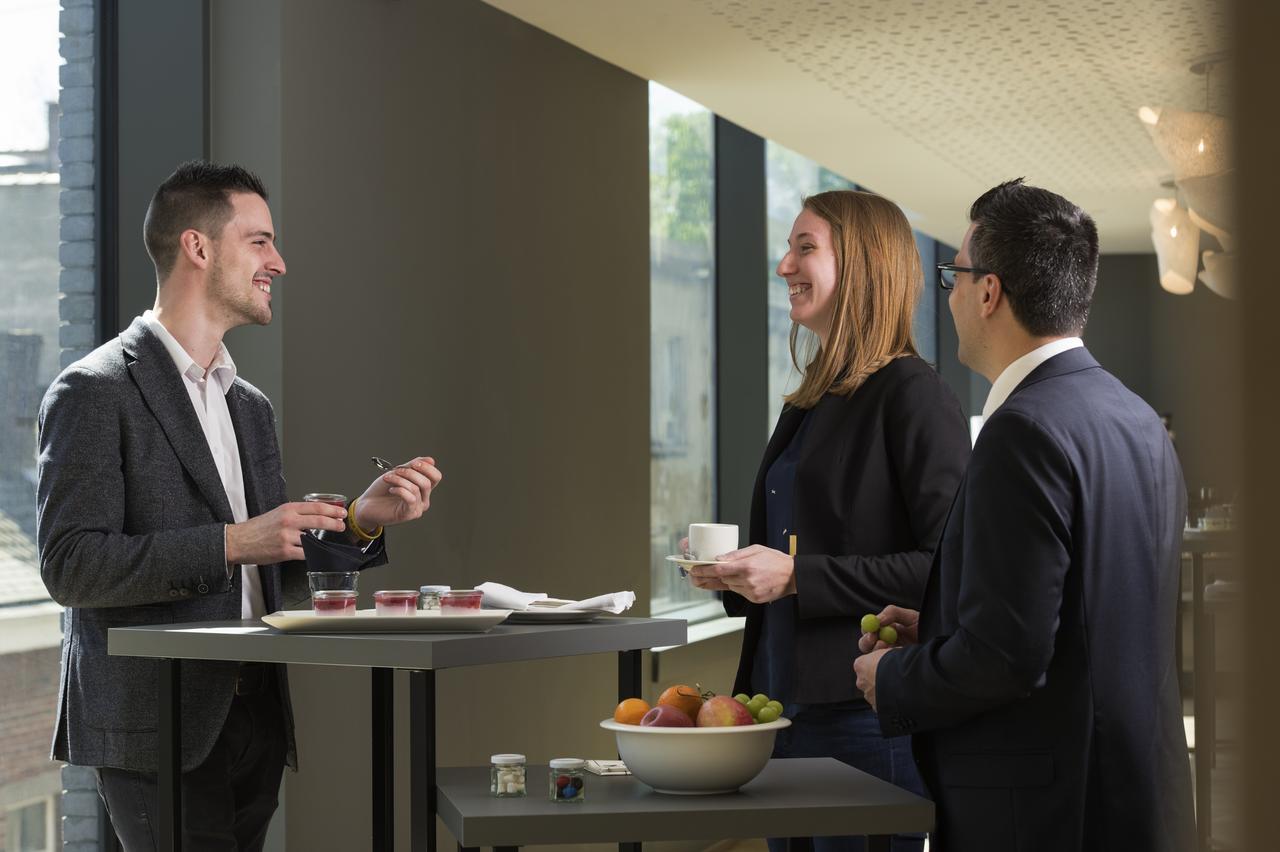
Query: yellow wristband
[{"x": 355, "y": 527}]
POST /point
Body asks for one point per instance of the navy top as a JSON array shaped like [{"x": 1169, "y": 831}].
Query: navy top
[{"x": 773, "y": 673}]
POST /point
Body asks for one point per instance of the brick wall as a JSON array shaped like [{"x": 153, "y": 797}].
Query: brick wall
[
  {"x": 77, "y": 304},
  {"x": 27, "y": 716},
  {"x": 27, "y": 713}
]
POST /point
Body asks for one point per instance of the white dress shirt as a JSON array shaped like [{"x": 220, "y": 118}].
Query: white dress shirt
[
  {"x": 1013, "y": 374},
  {"x": 215, "y": 420}
]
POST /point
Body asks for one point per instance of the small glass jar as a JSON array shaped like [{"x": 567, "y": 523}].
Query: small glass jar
[
  {"x": 429, "y": 597},
  {"x": 507, "y": 775},
  {"x": 457, "y": 600},
  {"x": 395, "y": 602},
  {"x": 566, "y": 779}
]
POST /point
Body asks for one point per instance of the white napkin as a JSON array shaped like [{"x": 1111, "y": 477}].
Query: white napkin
[
  {"x": 614, "y": 602},
  {"x": 498, "y": 596}
]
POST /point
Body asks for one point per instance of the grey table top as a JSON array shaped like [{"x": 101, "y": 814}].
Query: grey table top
[
  {"x": 254, "y": 641},
  {"x": 799, "y": 797}
]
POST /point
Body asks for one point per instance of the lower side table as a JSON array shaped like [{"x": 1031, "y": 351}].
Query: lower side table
[{"x": 794, "y": 797}]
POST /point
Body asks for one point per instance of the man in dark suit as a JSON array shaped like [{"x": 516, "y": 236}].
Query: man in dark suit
[
  {"x": 1038, "y": 679},
  {"x": 162, "y": 499}
]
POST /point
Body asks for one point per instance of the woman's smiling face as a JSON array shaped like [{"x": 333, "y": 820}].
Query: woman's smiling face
[{"x": 810, "y": 270}]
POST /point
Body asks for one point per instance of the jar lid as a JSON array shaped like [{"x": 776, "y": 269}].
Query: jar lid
[
  {"x": 434, "y": 590},
  {"x": 395, "y": 593},
  {"x": 567, "y": 763},
  {"x": 506, "y": 759}
]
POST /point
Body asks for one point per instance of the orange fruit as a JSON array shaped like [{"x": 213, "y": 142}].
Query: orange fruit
[
  {"x": 631, "y": 711},
  {"x": 684, "y": 698}
]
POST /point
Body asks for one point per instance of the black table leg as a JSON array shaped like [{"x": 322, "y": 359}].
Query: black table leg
[
  {"x": 878, "y": 842},
  {"x": 628, "y": 687},
  {"x": 628, "y": 675},
  {"x": 422, "y": 756},
  {"x": 383, "y": 757},
  {"x": 169, "y": 755}
]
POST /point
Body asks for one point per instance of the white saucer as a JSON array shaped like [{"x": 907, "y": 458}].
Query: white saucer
[{"x": 687, "y": 563}]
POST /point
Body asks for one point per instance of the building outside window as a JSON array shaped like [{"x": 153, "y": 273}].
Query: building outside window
[{"x": 682, "y": 338}]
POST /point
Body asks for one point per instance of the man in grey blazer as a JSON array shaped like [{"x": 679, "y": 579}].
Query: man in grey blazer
[{"x": 162, "y": 499}]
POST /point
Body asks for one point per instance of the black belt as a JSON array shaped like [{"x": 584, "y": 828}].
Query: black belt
[{"x": 253, "y": 678}]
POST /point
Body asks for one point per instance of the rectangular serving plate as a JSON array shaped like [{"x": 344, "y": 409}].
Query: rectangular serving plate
[{"x": 368, "y": 621}]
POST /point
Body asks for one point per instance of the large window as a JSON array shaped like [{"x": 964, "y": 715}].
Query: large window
[
  {"x": 682, "y": 335},
  {"x": 29, "y": 359}
]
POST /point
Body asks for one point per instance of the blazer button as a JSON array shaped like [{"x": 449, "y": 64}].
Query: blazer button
[
  {"x": 185, "y": 592},
  {"x": 173, "y": 593},
  {"x": 203, "y": 588}
]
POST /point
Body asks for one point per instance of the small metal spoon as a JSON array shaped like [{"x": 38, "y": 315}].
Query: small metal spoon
[{"x": 383, "y": 464}]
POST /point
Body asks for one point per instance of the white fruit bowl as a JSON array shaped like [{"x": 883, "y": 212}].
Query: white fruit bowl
[{"x": 695, "y": 761}]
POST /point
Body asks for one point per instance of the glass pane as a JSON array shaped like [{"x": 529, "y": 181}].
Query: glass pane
[
  {"x": 925, "y": 323},
  {"x": 682, "y": 335},
  {"x": 29, "y": 270},
  {"x": 29, "y": 828}
]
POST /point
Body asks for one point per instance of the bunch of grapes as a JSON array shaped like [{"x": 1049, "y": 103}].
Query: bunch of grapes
[
  {"x": 871, "y": 624},
  {"x": 763, "y": 709}
]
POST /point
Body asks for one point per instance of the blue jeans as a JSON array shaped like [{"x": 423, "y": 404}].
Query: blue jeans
[{"x": 851, "y": 736}]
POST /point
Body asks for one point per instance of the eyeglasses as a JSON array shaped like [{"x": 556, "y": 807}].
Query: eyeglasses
[{"x": 947, "y": 273}]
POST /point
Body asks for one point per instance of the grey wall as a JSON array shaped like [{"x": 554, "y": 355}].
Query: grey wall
[
  {"x": 1119, "y": 332},
  {"x": 467, "y": 209},
  {"x": 244, "y": 128},
  {"x": 1179, "y": 354}
]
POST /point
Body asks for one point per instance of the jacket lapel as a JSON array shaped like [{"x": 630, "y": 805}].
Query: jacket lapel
[
  {"x": 157, "y": 378},
  {"x": 236, "y": 405}
]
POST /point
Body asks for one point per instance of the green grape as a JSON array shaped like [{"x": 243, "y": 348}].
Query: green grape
[
  {"x": 755, "y": 706},
  {"x": 888, "y": 635},
  {"x": 761, "y": 697},
  {"x": 742, "y": 698},
  {"x": 870, "y": 624},
  {"x": 776, "y": 705},
  {"x": 767, "y": 714}
]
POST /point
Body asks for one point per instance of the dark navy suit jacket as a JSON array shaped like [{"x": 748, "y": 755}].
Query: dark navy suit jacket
[{"x": 1044, "y": 694}]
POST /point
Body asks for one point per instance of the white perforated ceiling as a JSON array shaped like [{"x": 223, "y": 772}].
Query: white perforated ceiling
[{"x": 931, "y": 101}]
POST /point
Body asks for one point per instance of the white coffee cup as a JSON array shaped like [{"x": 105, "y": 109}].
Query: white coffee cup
[{"x": 707, "y": 541}]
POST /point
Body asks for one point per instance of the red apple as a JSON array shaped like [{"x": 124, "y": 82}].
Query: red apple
[
  {"x": 723, "y": 711},
  {"x": 666, "y": 716}
]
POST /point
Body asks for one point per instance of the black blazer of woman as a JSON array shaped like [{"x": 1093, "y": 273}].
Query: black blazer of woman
[{"x": 875, "y": 480}]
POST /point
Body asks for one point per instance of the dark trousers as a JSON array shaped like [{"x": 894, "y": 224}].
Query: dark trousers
[
  {"x": 228, "y": 800},
  {"x": 851, "y": 736}
]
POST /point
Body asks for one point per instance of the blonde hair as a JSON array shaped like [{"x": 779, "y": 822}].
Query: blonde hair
[{"x": 878, "y": 285}]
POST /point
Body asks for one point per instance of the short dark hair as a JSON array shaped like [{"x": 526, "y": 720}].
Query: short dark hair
[
  {"x": 197, "y": 195},
  {"x": 1044, "y": 248}
]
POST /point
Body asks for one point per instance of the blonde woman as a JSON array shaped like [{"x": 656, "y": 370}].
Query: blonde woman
[{"x": 861, "y": 469}]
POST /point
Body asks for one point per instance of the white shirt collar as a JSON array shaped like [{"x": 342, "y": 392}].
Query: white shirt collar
[
  {"x": 1013, "y": 374},
  {"x": 223, "y": 368}
]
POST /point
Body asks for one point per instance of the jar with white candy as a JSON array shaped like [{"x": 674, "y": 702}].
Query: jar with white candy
[{"x": 507, "y": 775}]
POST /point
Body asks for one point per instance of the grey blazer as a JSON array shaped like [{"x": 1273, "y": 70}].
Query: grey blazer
[{"x": 130, "y": 530}]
